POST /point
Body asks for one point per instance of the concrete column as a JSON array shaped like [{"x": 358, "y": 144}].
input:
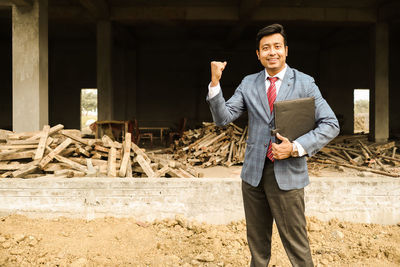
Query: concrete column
[
  {"x": 30, "y": 66},
  {"x": 104, "y": 70},
  {"x": 381, "y": 96}
]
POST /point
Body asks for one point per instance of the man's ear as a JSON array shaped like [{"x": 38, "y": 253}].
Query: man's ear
[
  {"x": 287, "y": 50},
  {"x": 258, "y": 54}
]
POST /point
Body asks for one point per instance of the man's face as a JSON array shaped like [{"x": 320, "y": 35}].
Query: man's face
[{"x": 272, "y": 53}]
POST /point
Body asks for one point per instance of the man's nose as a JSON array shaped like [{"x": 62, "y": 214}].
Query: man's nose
[{"x": 272, "y": 51}]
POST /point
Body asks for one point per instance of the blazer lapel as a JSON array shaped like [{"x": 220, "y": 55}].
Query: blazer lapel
[
  {"x": 286, "y": 85},
  {"x": 260, "y": 84}
]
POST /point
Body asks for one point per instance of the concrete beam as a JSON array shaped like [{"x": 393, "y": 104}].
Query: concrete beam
[
  {"x": 231, "y": 13},
  {"x": 381, "y": 95},
  {"x": 226, "y": 14},
  {"x": 30, "y": 66},
  {"x": 22, "y": 2},
  {"x": 316, "y": 14},
  {"x": 16, "y": 2},
  {"x": 247, "y": 8},
  {"x": 97, "y": 8},
  {"x": 104, "y": 70}
]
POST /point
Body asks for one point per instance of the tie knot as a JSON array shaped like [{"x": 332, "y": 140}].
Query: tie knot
[{"x": 272, "y": 79}]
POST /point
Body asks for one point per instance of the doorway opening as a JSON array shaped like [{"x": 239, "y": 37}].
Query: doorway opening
[
  {"x": 361, "y": 111},
  {"x": 88, "y": 109}
]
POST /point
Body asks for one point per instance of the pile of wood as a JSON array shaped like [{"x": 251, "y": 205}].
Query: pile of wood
[
  {"x": 64, "y": 153},
  {"x": 212, "y": 145},
  {"x": 357, "y": 153}
]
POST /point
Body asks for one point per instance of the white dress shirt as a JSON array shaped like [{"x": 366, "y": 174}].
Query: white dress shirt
[{"x": 214, "y": 90}]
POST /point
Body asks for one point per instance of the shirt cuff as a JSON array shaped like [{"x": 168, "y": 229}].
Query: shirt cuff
[
  {"x": 213, "y": 90},
  {"x": 300, "y": 149}
]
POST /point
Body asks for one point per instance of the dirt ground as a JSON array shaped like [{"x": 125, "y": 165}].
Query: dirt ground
[{"x": 177, "y": 242}]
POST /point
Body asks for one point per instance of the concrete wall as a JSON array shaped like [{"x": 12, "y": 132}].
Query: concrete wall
[{"x": 212, "y": 200}]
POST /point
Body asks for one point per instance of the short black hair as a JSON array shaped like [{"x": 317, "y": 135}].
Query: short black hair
[{"x": 268, "y": 30}]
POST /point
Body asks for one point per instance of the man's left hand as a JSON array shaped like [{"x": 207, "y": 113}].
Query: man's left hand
[{"x": 283, "y": 150}]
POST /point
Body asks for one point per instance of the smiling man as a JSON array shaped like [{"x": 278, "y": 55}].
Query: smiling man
[{"x": 273, "y": 175}]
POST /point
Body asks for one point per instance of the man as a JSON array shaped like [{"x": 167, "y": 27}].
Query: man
[{"x": 273, "y": 175}]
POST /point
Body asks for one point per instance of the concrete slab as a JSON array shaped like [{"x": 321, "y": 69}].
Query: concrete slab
[{"x": 211, "y": 200}]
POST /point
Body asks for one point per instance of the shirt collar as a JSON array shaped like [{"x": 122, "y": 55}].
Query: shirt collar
[{"x": 279, "y": 75}]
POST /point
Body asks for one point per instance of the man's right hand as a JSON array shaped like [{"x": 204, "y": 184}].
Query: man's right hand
[{"x": 216, "y": 71}]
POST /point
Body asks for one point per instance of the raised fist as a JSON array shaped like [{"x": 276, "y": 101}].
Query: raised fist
[{"x": 216, "y": 71}]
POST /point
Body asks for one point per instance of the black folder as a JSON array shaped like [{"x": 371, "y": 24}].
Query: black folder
[{"x": 293, "y": 118}]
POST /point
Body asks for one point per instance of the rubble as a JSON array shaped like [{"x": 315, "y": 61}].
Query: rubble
[
  {"x": 356, "y": 152},
  {"x": 56, "y": 152},
  {"x": 212, "y": 145}
]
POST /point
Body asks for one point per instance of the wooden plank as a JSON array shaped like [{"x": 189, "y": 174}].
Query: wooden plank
[
  {"x": 23, "y": 142},
  {"x": 161, "y": 172},
  {"x": 17, "y": 147},
  {"x": 236, "y": 127},
  {"x": 145, "y": 166},
  {"x": 10, "y": 167},
  {"x": 140, "y": 152},
  {"x": 21, "y": 173},
  {"x": 21, "y": 136},
  {"x": 95, "y": 162},
  {"x": 108, "y": 142},
  {"x": 185, "y": 173},
  {"x": 6, "y": 174},
  {"x": 52, "y": 167},
  {"x": 95, "y": 155},
  {"x": 68, "y": 152},
  {"x": 42, "y": 143},
  {"x": 74, "y": 137},
  {"x": 69, "y": 173},
  {"x": 101, "y": 148},
  {"x": 129, "y": 169},
  {"x": 126, "y": 156},
  {"x": 55, "y": 152},
  {"x": 111, "y": 166},
  {"x": 105, "y": 155},
  {"x": 17, "y": 155},
  {"x": 176, "y": 173},
  {"x": 81, "y": 150},
  {"x": 52, "y": 130},
  {"x": 71, "y": 163},
  {"x": 26, "y": 169}
]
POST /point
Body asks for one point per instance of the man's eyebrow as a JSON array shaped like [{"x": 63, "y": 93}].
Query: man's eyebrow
[{"x": 277, "y": 43}]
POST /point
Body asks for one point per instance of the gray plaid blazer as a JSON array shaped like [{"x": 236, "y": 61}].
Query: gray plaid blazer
[{"x": 251, "y": 96}]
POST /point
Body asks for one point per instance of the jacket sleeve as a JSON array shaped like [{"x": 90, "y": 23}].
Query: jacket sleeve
[
  {"x": 224, "y": 112},
  {"x": 327, "y": 126}
]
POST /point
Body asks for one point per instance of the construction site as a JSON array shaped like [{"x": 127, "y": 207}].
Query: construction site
[{"x": 109, "y": 155}]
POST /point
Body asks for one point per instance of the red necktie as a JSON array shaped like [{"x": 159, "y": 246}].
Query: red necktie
[{"x": 271, "y": 94}]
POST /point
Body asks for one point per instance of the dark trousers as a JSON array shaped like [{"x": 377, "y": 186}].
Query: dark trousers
[{"x": 263, "y": 204}]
